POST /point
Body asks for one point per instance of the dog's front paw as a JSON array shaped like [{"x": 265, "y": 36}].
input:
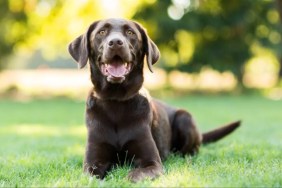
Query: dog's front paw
[
  {"x": 140, "y": 174},
  {"x": 98, "y": 170},
  {"x": 136, "y": 175}
]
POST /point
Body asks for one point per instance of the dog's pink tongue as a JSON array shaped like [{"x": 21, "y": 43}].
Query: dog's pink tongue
[{"x": 116, "y": 69}]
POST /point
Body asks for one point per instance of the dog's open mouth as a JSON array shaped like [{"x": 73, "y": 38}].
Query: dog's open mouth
[{"x": 116, "y": 69}]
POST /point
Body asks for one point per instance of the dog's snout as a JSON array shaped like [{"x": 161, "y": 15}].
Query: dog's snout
[{"x": 115, "y": 43}]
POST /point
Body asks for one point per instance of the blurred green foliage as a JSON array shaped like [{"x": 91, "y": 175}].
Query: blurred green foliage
[
  {"x": 191, "y": 34},
  {"x": 13, "y": 21},
  {"x": 221, "y": 32}
]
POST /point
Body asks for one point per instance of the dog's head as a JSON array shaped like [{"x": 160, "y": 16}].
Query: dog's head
[{"x": 116, "y": 49}]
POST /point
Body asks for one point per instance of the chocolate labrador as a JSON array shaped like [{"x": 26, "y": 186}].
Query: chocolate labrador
[{"x": 124, "y": 123}]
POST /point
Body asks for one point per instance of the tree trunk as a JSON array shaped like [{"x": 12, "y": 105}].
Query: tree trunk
[
  {"x": 279, "y": 7},
  {"x": 280, "y": 69}
]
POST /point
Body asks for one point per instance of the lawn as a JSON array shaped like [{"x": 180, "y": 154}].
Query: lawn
[{"x": 42, "y": 144}]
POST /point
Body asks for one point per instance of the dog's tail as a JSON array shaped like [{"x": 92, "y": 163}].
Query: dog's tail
[{"x": 217, "y": 134}]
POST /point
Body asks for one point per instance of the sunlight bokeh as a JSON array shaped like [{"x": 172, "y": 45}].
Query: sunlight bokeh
[
  {"x": 261, "y": 71},
  {"x": 38, "y": 130},
  {"x": 202, "y": 46}
]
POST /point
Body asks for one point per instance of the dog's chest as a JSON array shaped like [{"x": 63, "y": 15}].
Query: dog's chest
[
  {"x": 117, "y": 122},
  {"x": 121, "y": 113}
]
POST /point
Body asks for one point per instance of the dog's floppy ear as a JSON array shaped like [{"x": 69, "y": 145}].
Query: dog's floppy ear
[
  {"x": 79, "y": 51},
  {"x": 79, "y": 48},
  {"x": 151, "y": 50}
]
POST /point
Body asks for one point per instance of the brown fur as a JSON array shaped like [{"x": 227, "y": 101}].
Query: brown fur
[{"x": 124, "y": 123}]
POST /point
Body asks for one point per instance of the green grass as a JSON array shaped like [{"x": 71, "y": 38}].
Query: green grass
[{"x": 42, "y": 144}]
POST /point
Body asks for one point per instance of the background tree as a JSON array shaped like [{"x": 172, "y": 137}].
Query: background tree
[
  {"x": 279, "y": 8},
  {"x": 191, "y": 34},
  {"x": 220, "y": 34},
  {"x": 13, "y": 21},
  {"x": 43, "y": 28}
]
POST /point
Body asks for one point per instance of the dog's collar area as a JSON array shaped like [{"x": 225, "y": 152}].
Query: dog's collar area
[{"x": 95, "y": 95}]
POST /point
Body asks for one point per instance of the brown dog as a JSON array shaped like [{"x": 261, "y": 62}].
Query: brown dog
[{"x": 124, "y": 123}]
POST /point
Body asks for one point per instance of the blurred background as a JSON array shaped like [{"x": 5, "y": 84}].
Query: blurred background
[
  {"x": 220, "y": 59},
  {"x": 207, "y": 46}
]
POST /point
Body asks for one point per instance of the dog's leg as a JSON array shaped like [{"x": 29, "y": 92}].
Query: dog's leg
[
  {"x": 185, "y": 135},
  {"x": 146, "y": 158},
  {"x": 98, "y": 160}
]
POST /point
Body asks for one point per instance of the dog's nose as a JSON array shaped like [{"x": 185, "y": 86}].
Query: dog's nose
[{"x": 115, "y": 43}]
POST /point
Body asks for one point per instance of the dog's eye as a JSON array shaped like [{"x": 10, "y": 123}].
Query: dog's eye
[
  {"x": 129, "y": 32},
  {"x": 102, "y": 32}
]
